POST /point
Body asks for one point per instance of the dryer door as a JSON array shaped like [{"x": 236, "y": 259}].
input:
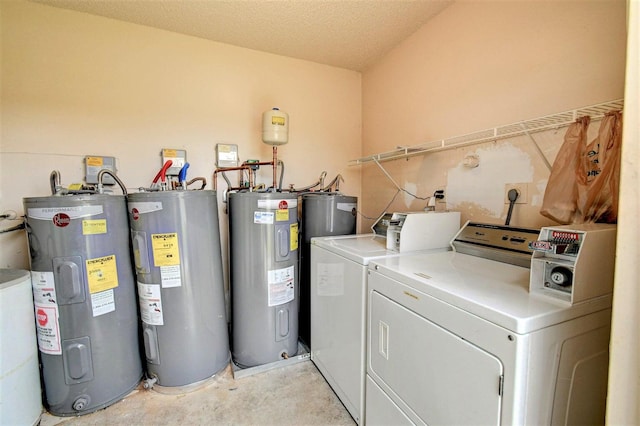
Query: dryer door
[{"x": 442, "y": 378}]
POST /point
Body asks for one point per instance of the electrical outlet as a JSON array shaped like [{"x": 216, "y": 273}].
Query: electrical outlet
[
  {"x": 443, "y": 199},
  {"x": 523, "y": 192}
]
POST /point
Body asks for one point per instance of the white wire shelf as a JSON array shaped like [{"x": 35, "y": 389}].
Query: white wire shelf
[{"x": 548, "y": 122}]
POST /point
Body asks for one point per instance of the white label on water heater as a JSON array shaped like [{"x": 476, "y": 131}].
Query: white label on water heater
[
  {"x": 170, "y": 276},
  {"x": 48, "y": 329},
  {"x": 145, "y": 206},
  {"x": 150, "y": 298},
  {"x": 103, "y": 302},
  {"x": 263, "y": 218},
  {"x": 74, "y": 212},
  {"x": 277, "y": 204},
  {"x": 46, "y": 310},
  {"x": 44, "y": 288},
  {"x": 281, "y": 286}
]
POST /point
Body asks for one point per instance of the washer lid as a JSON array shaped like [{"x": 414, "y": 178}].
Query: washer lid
[{"x": 361, "y": 248}]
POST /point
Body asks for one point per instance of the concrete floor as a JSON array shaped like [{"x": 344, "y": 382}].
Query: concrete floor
[{"x": 291, "y": 395}]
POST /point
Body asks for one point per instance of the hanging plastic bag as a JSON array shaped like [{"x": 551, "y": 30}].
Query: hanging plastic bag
[
  {"x": 598, "y": 174},
  {"x": 561, "y": 195}
]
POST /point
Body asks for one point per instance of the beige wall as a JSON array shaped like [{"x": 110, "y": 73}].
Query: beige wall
[
  {"x": 75, "y": 84},
  {"x": 623, "y": 401},
  {"x": 477, "y": 65}
]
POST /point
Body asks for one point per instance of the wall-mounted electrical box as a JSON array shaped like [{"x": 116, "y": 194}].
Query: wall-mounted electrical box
[
  {"x": 92, "y": 166},
  {"x": 178, "y": 158},
  {"x": 226, "y": 155}
]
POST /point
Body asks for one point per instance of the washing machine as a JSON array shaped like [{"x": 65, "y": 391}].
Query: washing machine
[
  {"x": 458, "y": 338},
  {"x": 338, "y": 293}
]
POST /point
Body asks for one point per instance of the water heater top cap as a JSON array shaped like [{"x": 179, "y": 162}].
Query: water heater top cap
[{"x": 275, "y": 127}]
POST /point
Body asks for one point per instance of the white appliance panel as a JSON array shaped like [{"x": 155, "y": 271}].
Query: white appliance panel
[
  {"x": 338, "y": 297},
  {"x": 382, "y": 411},
  {"x": 577, "y": 365},
  {"x": 461, "y": 387}
]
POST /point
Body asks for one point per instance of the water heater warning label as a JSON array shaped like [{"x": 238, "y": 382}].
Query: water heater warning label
[
  {"x": 102, "y": 273},
  {"x": 93, "y": 227},
  {"x": 44, "y": 288},
  {"x": 150, "y": 298},
  {"x": 48, "y": 329},
  {"x": 165, "y": 249},
  {"x": 282, "y": 215},
  {"x": 46, "y": 310},
  {"x": 281, "y": 286},
  {"x": 293, "y": 233}
]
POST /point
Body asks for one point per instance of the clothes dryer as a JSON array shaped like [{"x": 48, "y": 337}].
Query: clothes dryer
[{"x": 457, "y": 338}]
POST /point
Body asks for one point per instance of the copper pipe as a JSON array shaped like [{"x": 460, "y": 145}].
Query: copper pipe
[
  {"x": 248, "y": 166},
  {"x": 275, "y": 168}
]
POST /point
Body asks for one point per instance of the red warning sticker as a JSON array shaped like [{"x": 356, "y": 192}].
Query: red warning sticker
[
  {"x": 48, "y": 329},
  {"x": 42, "y": 317},
  {"x": 282, "y": 205}
]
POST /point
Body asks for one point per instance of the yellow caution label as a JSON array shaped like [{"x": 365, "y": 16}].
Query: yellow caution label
[
  {"x": 93, "y": 227},
  {"x": 282, "y": 215},
  {"x": 102, "y": 273},
  {"x": 293, "y": 234},
  {"x": 169, "y": 153},
  {"x": 136, "y": 257},
  {"x": 277, "y": 120},
  {"x": 75, "y": 186},
  {"x": 95, "y": 161},
  {"x": 165, "y": 249}
]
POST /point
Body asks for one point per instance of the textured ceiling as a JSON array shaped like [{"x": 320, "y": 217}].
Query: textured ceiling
[{"x": 350, "y": 34}]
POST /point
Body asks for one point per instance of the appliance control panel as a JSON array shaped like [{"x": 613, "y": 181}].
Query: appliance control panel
[
  {"x": 496, "y": 242},
  {"x": 498, "y": 236},
  {"x": 573, "y": 263}
]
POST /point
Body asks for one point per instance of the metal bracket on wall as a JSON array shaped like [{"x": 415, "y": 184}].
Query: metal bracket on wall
[{"x": 525, "y": 127}]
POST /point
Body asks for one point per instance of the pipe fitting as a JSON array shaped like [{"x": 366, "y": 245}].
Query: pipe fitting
[
  {"x": 149, "y": 382},
  {"x": 81, "y": 403}
]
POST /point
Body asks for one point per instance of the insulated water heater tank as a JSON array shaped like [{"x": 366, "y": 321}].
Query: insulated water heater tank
[
  {"x": 323, "y": 214},
  {"x": 85, "y": 301},
  {"x": 264, "y": 278},
  {"x": 20, "y": 395},
  {"x": 176, "y": 246}
]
